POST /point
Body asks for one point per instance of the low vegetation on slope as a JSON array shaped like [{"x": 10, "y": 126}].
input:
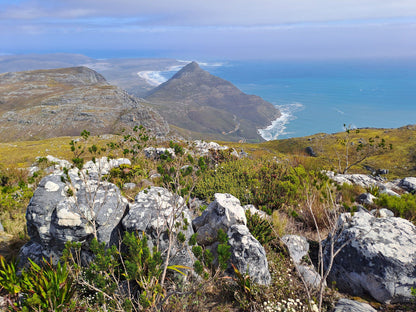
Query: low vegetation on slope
[{"x": 278, "y": 177}]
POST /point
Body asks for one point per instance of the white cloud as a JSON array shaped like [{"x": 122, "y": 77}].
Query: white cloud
[{"x": 215, "y": 12}]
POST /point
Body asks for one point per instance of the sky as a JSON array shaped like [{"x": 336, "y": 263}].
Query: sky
[{"x": 211, "y": 29}]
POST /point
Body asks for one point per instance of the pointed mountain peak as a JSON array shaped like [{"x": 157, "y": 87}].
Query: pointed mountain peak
[{"x": 190, "y": 68}]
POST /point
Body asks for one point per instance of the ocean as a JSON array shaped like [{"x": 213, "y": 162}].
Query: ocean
[{"x": 322, "y": 96}]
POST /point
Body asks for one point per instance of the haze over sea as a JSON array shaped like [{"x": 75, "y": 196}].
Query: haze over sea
[{"x": 322, "y": 96}]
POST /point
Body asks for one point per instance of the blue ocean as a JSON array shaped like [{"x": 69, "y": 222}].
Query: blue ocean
[{"x": 322, "y": 96}]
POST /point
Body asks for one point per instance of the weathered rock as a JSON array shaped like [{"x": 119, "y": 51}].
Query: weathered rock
[
  {"x": 157, "y": 152},
  {"x": 129, "y": 186},
  {"x": 409, "y": 184},
  {"x": 156, "y": 212},
  {"x": 298, "y": 248},
  {"x": 382, "y": 213},
  {"x": 248, "y": 255},
  {"x": 378, "y": 259},
  {"x": 366, "y": 198},
  {"x": 72, "y": 211},
  {"x": 309, "y": 150},
  {"x": 388, "y": 189},
  {"x": 347, "y": 305},
  {"x": 362, "y": 180},
  {"x": 253, "y": 210},
  {"x": 222, "y": 213},
  {"x": 103, "y": 165},
  {"x": 204, "y": 148}
]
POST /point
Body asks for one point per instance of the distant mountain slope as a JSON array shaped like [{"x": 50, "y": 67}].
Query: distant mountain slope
[
  {"x": 200, "y": 102},
  {"x": 122, "y": 72},
  {"x": 49, "y": 103}
]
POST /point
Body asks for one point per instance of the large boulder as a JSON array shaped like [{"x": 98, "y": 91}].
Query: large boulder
[
  {"x": 222, "y": 213},
  {"x": 70, "y": 208},
  {"x": 157, "y": 212},
  {"x": 248, "y": 255},
  {"x": 377, "y": 256}
]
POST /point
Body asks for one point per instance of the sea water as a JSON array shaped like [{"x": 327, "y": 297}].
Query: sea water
[{"x": 323, "y": 96}]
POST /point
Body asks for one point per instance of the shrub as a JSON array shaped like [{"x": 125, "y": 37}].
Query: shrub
[
  {"x": 260, "y": 228},
  {"x": 42, "y": 288},
  {"x": 403, "y": 206}
]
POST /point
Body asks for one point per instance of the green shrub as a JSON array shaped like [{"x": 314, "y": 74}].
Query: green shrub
[
  {"x": 403, "y": 206},
  {"x": 42, "y": 288},
  {"x": 260, "y": 228}
]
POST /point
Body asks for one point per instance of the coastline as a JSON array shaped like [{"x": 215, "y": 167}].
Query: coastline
[{"x": 278, "y": 126}]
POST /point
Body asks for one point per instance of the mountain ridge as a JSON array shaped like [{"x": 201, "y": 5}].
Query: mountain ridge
[{"x": 48, "y": 103}]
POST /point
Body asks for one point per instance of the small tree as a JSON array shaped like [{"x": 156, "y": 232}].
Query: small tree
[{"x": 355, "y": 149}]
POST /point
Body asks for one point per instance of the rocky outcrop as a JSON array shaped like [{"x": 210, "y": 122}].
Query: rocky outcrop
[
  {"x": 409, "y": 184},
  {"x": 378, "y": 258},
  {"x": 247, "y": 254},
  {"x": 68, "y": 100},
  {"x": 156, "y": 212},
  {"x": 69, "y": 208}
]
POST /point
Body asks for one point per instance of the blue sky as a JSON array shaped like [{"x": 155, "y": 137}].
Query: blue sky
[{"x": 214, "y": 29}]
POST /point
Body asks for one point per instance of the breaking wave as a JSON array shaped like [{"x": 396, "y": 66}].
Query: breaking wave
[{"x": 278, "y": 126}]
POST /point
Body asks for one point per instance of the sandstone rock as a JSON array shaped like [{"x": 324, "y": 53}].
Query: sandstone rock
[
  {"x": 72, "y": 211},
  {"x": 409, "y": 184},
  {"x": 248, "y": 255},
  {"x": 382, "y": 213},
  {"x": 298, "y": 248},
  {"x": 204, "y": 148},
  {"x": 156, "y": 211},
  {"x": 103, "y": 165},
  {"x": 347, "y": 305},
  {"x": 129, "y": 186},
  {"x": 156, "y": 152},
  {"x": 379, "y": 256},
  {"x": 222, "y": 213},
  {"x": 253, "y": 210},
  {"x": 366, "y": 198}
]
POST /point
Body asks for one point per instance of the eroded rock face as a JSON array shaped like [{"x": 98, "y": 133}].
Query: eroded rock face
[
  {"x": 154, "y": 211},
  {"x": 379, "y": 257},
  {"x": 73, "y": 209},
  {"x": 248, "y": 255},
  {"x": 222, "y": 213}
]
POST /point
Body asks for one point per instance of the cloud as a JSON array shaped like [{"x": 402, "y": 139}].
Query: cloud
[
  {"x": 213, "y": 12},
  {"x": 225, "y": 28}
]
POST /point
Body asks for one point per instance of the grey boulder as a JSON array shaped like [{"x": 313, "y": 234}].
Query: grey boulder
[
  {"x": 347, "y": 305},
  {"x": 248, "y": 255},
  {"x": 378, "y": 256},
  {"x": 298, "y": 248},
  {"x": 157, "y": 212},
  {"x": 222, "y": 213},
  {"x": 73, "y": 209}
]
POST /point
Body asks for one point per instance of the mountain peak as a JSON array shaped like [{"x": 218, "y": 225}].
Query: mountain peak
[{"x": 195, "y": 100}]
